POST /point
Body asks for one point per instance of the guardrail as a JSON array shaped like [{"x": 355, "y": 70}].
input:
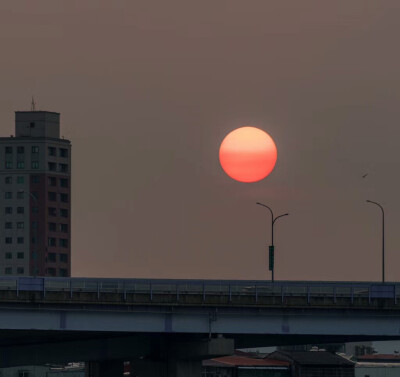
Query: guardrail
[{"x": 176, "y": 289}]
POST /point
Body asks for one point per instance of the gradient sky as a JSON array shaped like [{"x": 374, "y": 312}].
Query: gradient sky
[{"x": 148, "y": 89}]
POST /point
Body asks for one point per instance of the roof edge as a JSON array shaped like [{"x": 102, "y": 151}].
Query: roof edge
[{"x": 37, "y": 111}]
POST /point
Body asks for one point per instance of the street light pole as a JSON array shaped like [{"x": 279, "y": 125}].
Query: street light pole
[
  {"x": 272, "y": 247},
  {"x": 383, "y": 238}
]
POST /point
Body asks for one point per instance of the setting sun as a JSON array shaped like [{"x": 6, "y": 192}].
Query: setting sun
[{"x": 248, "y": 154}]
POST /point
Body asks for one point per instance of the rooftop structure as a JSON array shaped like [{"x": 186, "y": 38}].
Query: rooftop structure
[
  {"x": 242, "y": 365},
  {"x": 316, "y": 363}
]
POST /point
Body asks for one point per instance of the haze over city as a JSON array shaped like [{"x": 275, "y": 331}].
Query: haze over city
[{"x": 147, "y": 90}]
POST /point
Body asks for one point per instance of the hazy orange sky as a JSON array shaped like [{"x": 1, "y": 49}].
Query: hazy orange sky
[{"x": 147, "y": 90}]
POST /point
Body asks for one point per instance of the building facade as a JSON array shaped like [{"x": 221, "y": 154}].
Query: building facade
[
  {"x": 377, "y": 370},
  {"x": 35, "y": 191}
]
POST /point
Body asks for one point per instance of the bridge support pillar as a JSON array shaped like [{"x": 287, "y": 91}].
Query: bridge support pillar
[
  {"x": 181, "y": 359},
  {"x": 168, "y": 368},
  {"x": 149, "y": 368},
  {"x": 184, "y": 368},
  {"x": 109, "y": 368}
]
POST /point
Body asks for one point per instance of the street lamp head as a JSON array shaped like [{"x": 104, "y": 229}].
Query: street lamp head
[
  {"x": 383, "y": 238},
  {"x": 264, "y": 205},
  {"x": 376, "y": 203}
]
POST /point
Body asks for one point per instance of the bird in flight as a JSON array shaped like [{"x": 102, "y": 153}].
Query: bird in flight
[{"x": 364, "y": 175}]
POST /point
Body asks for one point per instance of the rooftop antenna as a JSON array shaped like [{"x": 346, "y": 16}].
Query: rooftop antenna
[{"x": 33, "y": 104}]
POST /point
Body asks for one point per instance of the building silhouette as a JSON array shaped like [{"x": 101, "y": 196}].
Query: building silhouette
[{"x": 35, "y": 191}]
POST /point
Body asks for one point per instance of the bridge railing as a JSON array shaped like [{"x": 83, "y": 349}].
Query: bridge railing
[
  {"x": 176, "y": 290},
  {"x": 8, "y": 283}
]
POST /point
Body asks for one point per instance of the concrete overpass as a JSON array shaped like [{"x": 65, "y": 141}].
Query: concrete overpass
[{"x": 168, "y": 326}]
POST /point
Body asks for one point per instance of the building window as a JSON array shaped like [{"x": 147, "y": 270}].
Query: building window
[
  {"x": 63, "y": 168},
  {"x": 52, "y": 227},
  {"x": 20, "y": 255},
  {"x": 25, "y": 373},
  {"x": 64, "y": 258},
  {"x": 52, "y": 196},
  {"x": 52, "y": 241},
  {"x": 64, "y": 198},
  {"x": 8, "y": 210},
  {"x": 52, "y": 181},
  {"x": 64, "y": 228},
  {"x": 20, "y": 195},
  {"x": 8, "y": 195},
  {"x": 35, "y": 209},
  {"x": 20, "y": 270},
  {"x": 63, "y": 212},
  {"x": 20, "y": 179},
  {"x": 20, "y": 240},
  {"x": 20, "y": 210},
  {"x": 52, "y": 211},
  {"x": 34, "y": 240},
  {"x": 64, "y": 182},
  {"x": 8, "y": 255},
  {"x": 51, "y": 271},
  {"x": 35, "y": 179},
  {"x": 20, "y": 165},
  {"x": 35, "y": 164},
  {"x": 52, "y": 166},
  {"x": 8, "y": 270},
  {"x": 8, "y": 225},
  {"x": 20, "y": 225},
  {"x": 8, "y": 240},
  {"x": 63, "y": 152},
  {"x": 52, "y": 151},
  {"x": 8, "y": 164},
  {"x": 63, "y": 272},
  {"x": 9, "y": 150},
  {"x": 35, "y": 224},
  {"x": 8, "y": 180},
  {"x": 20, "y": 149},
  {"x": 52, "y": 257},
  {"x": 35, "y": 149},
  {"x": 63, "y": 242}
]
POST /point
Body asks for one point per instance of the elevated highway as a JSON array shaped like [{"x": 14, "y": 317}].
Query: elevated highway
[{"x": 78, "y": 319}]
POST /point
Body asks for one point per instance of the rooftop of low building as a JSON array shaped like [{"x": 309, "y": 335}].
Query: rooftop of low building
[
  {"x": 312, "y": 358},
  {"x": 240, "y": 360}
]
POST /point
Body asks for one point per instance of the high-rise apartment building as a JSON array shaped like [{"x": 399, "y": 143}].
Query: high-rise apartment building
[{"x": 35, "y": 197}]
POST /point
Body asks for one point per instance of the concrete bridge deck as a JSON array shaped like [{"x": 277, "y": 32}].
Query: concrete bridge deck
[{"x": 71, "y": 319}]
